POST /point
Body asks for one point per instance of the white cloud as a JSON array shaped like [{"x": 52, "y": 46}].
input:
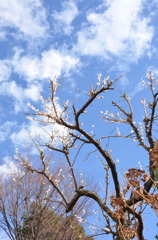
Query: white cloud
[
  {"x": 33, "y": 130},
  {"x": 5, "y": 129},
  {"x": 32, "y": 92},
  {"x": 22, "y": 137},
  {"x": 5, "y": 70},
  {"x": 19, "y": 94},
  {"x": 33, "y": 70},
  {"x": 63, "y": 19},
  {"x": 8, "y": 167},
  {"x": 51, "y": 63},
  {"x": 121, "y": 31},
  {"x": 153, "y": 69},
  {"x": 28, "y": 17}
]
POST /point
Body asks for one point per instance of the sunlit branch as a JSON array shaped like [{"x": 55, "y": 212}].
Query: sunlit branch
[
  {"x": 72, "y": 170},
  {"x": 93, "y": 96},
  {"x": 130, "y": 121},
  {"x": 92, "y": 195},
  {"x": 77, "y": 153},
  {"x": 52, "y": 183},
  {"x": 151, "y": 121},
  {"x": 108, "y": 159},
  {"x": 66, "y": 154}
]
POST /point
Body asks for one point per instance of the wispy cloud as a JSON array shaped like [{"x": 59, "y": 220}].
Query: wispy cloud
[
  {"x": 33, "y": 130},
  {"x": 51, "y": 62},
  {"x": 5, "y": 129},
  {"x": 8, "y": 167},
  {"x": 33, "y": 70},
  {"x": 19, "y": 94},
  {"x": 5, "y": 70},
  {"x": 139, "y": 87},
  {"x": 26, "y": 17},
  {"x": 64, "y": 18},
  {"x": 21, "y": 137},
  {"x": 120, "y": 31}
]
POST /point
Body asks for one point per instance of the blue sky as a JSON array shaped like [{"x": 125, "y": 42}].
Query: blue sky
[{"x": 74, "y": 40}]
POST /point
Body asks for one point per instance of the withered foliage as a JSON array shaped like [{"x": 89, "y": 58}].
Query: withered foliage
[{"x": 123, "y": 210}]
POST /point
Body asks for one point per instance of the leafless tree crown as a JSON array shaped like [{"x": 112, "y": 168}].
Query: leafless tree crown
[{"x": 123, "y": 213}]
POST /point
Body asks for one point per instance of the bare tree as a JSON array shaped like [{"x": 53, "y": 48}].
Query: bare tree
[
  {"x": 123, "y": 213},
  {"x": 29, "y": 210}
]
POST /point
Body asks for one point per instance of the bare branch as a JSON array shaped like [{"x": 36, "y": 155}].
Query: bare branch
[
  {"x": 92, "y": 195},
  {"x": 130, "y": 121}
]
